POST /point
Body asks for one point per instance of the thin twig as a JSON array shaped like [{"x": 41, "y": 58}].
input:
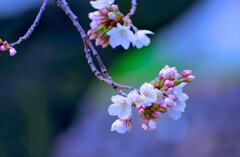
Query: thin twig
[
  {"x": 88, "y": 48},
  {"x": 133, "y": 8},
  {"x": 33, "y": 26}
]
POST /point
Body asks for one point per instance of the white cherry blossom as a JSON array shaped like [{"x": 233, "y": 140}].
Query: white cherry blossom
[
  {"x": 120, "y": 107},
  {"x": 149, "y": 94},
  {"x": 141, "y": 39},
  {"x": 120, "y": 36},
  {"x": 100, "y": 4},
  {"x": 180, "y": 103},
  {"x": 120, "y": 126}
]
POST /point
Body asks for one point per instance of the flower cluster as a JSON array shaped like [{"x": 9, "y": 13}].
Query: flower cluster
[
  {"x": 110, "y": 27},
  {"x": 162, "y": 95},
  {"x": 4, "y": 46}
]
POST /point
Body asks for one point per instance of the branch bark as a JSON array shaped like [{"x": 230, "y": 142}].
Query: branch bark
[
  {"x": 88, "y": 48},
  {"x": 133, "y": 8},
  {"x": 33, "y": 26}
]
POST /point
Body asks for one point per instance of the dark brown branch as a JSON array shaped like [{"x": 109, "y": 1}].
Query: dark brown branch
[{"x": 33, "y": 26}]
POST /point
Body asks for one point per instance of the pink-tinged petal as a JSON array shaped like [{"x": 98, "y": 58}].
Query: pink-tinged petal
[{"x": 119, "y": 126}]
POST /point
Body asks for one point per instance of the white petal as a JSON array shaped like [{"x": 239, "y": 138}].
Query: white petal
[
  {"x": 112, "y": 31},
  {"x": 114, "y": 109},
  {"x": 174, "y": 114},
  {"x": 145, "y": 32},
  {"x": 145, "y": 41},
  {"x": 148, "y": 91},
  {"x": 125, "y": 43},
  {"x": 118, "y": 99},
  {"x": 113, "y": 41},
  {"x": 125, "y": 112},
  {"x": 147, "y": 102},
  {"x": 100, "y": 4},
  {"x": 132, "y": 97},
  {"x": 152, "y": 124},
  {"x": 119, "y": 126}
]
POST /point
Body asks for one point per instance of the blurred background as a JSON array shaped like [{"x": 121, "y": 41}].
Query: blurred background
[{"x": 52, "y": 105}]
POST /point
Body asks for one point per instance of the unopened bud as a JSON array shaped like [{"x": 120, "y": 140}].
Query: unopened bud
[{"x": 12, "y": 51}]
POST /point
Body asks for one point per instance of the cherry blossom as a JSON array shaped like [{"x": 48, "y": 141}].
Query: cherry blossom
[
  {"x": 162, "y": 95},
  {"x": 120, "y": 36},
  {"x": 110, "y": 27},
  {"x": 149, "y": 93},
  {"x": 141, "y": 39},
  {"x": 120, "y": 107}
]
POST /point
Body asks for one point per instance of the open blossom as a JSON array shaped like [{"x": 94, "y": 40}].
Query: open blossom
[
  {"x": 149, "y": 93},
  {"x": 162, "y": 95},
  {"x": 141, "y": 39},
  {"x": 179, "y": 105},
  {"x": 120, "y": 107},
  {"x": 120, "y": 36},
  {"x": 121, "y": 126},
  {"x": 110, "y": 27},
  {"x": 100, "y": 4}
]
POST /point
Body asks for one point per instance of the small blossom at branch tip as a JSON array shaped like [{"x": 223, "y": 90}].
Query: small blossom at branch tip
[
  {"x": 12, "y": 51},
  {"x": 4, "y": 46},
  {"x": 162, "y": 95}
]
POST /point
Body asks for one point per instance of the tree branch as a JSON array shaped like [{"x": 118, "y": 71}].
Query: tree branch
[
  {"x": 88, "y": 48},
  {"x": 33, "y": 26},
  {"x": 133, "y": 8}
]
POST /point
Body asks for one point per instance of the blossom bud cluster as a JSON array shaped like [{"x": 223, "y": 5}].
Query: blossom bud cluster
[
  {"x": 4, "y": 46},
  {"x": 162, "y": 95},
  {"x": 110, "y": 27}
]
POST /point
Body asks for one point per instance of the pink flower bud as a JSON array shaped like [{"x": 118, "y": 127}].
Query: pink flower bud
[
  {"x": 3, "y": 48},
  {"x": 144, "y": 126},
  {"x": 168, "y": 73},
  {"x": 141, "y": 110},
  {"x": 168, "y": 83},
  {"x": 12, "y": 51},
  {"x": 115, "y": 7},
  {"x": 96, "y": 15},
  {"x": 187, "y": 72},
  {"x": 190, "y": 78}
]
